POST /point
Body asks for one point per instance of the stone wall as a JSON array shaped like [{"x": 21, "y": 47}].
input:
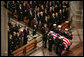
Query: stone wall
[{"x": 76, "y": 12}]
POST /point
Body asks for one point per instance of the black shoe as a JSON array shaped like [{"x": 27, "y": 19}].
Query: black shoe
[
  {"x": 67, "y": 50},
  {"x": 45, "y": 47},
  {"x": 56, "y": 52}
]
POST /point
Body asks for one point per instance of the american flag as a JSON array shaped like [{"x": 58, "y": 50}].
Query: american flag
[{"x": 66, "y": 42}]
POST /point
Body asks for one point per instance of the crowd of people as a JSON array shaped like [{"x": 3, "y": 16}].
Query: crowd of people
[
  {"x": 58, "y": 43},
  {"x": 48, "y": 14},
  {"x": 16, "y": 37}
]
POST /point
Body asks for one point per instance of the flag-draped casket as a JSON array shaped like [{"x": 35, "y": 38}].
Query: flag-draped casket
[{"x": 66, "y": 42}]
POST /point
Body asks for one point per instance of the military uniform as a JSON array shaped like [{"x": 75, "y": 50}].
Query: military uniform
[
  {"x": 59, "y": 29},
  {"x": 54, "y": 28},
  {"x": 70, "y": 36},
  {"x": 67, "y": 34},
  {"x": 58, "y": 45},
  {"x": 43, "y": 30}
]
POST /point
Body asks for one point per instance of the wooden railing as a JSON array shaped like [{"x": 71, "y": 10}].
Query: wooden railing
[{"x": 25, "y": 49}]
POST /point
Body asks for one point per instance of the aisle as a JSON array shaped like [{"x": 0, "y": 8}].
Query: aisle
[{"x": 75, "y": 51}]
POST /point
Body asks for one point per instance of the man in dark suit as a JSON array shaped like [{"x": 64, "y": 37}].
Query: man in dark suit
[
  {"x": 14, "y": 38},
  {"x": 38, "y": 16},
  {"x": 10, "y": 6},
  {"x": 53, "y": 18},
  {"x": 24, "y": 9},
  {"x": 31, "y": 16},
  {"x": 26, "y": 33},
  {"x": 56, "y": 8},
  {"x": 20, "y": 13},
  {"x": 13, "y": 7},
  {"x": 45, "y": 39},
  {"x": 10, "y": 45},
  {"x": 18, "y": 41},
  {"x": 12, "y": 29},
  {"x": 44, "y": 28},
  {"x": 46, "y": 20},
  {"x": 17, "y": 26},
  {"x": 42, "y": 18},
  {"x": 45, "y": 12},
  {"x": 56, "y": 18},
  {"x": 60, "y": 16},
  {"x": 9, "y": 24},
  {"x": 50, "y": 11},
  {"x": 17, "y": 5},
  {"x": 34, "y": 29},
  {"x": 50, "y": 42}
]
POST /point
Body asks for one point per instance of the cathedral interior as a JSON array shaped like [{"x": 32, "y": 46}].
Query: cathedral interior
[{"x": 33, "y": 41}]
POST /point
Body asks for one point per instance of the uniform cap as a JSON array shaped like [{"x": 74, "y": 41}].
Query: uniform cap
[
  {"x": 54, "y": 24},
  {"x": 59, "y": 26},
  {"x": 66, "y": 29},
  {"x": 34, "y": 25},
  {"x": 34, "y": 18},
  {"x": 61, "y": 37},
  {"x": 51, "y": 31},
  {"x": 22, "y": 30},
  {"x": 66, "y": 21}
]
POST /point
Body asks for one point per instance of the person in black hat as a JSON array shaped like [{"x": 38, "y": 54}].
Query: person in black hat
[{"x": 58, "y": 45}]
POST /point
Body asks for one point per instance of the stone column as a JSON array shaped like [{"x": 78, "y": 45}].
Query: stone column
[{"x": 4, "y": 32}]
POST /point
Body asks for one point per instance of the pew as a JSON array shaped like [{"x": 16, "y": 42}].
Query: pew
[{"x": 25, "y": 49}]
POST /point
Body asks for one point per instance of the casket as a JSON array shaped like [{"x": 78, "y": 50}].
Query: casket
[{"x": 66, "y": 42}]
